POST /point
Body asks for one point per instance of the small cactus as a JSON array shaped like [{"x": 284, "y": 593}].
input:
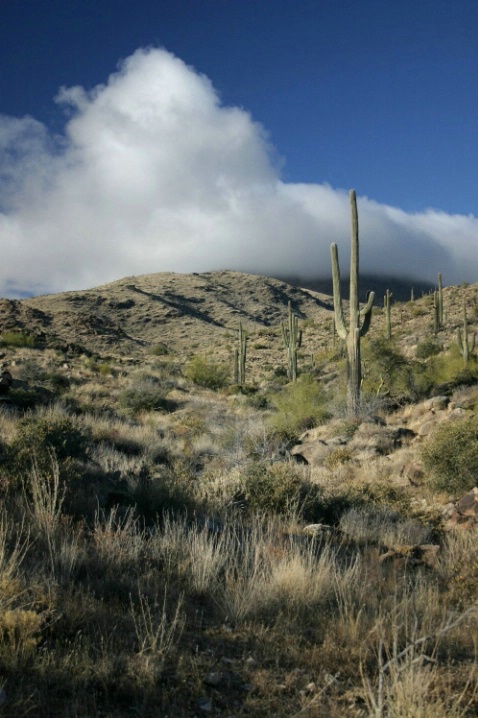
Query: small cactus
[
  {"x": 387, "y": 303},
  {"x": 436, "y": 312},
  {"x": 440, "y": 301},
  {"x": 466, "y": 343},
  {"x": 292, "y": 337},
  {"x": 240, "y": 358}
]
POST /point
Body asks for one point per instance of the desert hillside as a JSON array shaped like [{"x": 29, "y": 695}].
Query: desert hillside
[{"x": 175, "y": 541}]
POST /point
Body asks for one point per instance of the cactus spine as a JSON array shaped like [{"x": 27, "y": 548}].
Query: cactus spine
[
  {"x": 292, "y": 336},
  {"x": 356, "y": 329},
  {"x": 466, "y": 343},
  {"x": 387, "y": 303},
  {"x": 240, "y": 359}
]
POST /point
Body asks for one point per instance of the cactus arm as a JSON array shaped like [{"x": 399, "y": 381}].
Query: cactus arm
[
  {"x": 367, "y": 314},
  {"x": 367, "y": 308},
  {"x": 338, "y": 307}
]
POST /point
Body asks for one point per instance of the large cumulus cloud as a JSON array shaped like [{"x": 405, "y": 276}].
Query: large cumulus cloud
[{"x": 153, "y": 174}]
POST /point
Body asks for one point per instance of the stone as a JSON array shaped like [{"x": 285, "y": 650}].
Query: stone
[
  {"x": 415, "y": 555},
  {"x": 213, "y": 679},
  {"x": 205, "y": 704}
]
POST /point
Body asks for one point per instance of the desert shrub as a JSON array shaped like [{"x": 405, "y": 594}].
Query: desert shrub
[
  {"x": 385, "y": 368},
  {"x": 449, "y": 368},
  {"x": 105, "y": 369},
  {"x": 299, "y": 406},
  {"x": 145, "y": 394},
  {"x": 451, "y": 455},
  {"x": 16, "y": 339},
  {"x": 56, "y": 381},
  {"x": 207, "y": 373},
  {"x": 258, "y": 401},
  {"x": 26, "y": 398},
  {"x": 158, "y": 350},
  {"x": 280, "y": 488},
  {"x": 427, "y": 348},
  {"x": 41, "y": 435},
  {"x": 340, "y": 455}
]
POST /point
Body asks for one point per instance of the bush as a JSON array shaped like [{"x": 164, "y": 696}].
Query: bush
[
  {"x": 59, "y": 432},
  {"x": 300, "y": 406},
  {"x": 450, "y": 369},
  {"x": 428, "y": 348},
  {"x": 44, "y": 438},
  {"x": 206, "y": 373},
  {"x": 451, "y": 455},
  {"x": 281, "y": 489},
  {"x": 158, "y": 350},
  {"x": 16, "y": 339},
  {"x": 145, "y": 394},
  {"x": 386, "y": 369}
]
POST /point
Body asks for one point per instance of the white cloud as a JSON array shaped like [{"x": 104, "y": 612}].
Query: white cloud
[{"x": 153, "y": 175}]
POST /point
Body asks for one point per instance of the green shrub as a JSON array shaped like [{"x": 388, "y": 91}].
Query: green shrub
[
  {"x": 280, "y": 488},
  {"x": 428, "y": 348},
  {"x": 145, "y": 394},
  {"x": 451, "y": 455},
  {"x": 26, "y": 398},
  {"x": 158, "y": 350},
  {"x": 299, "y": 406},
  {"x": 16, "y": 339},
  {"x": 56, "y": 381},
  {"x": 385, "y": 363},
  {"x": 207, "y": 373},
  {"x": 59, "y": 432},
  {"x": 40, "y": 437},
  {"x": 449, "y": 368}
]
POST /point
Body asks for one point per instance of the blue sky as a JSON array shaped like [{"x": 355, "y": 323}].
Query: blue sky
[{"x": 324, "y": 96}]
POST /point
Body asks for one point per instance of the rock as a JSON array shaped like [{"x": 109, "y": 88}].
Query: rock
[
  {"x": 436, "y": 403},
  {"x": 213, "y": 679},
  {"x": 465, "y": 510},
  {"x": 314, "y": 452},
  {"x": 414, "y": 472},
  {"x": 415, "y": 555},
  {"x": 316, "y": 529},
  {"x": 247, "y": 687},
  {"x": 205, "y": 704}
]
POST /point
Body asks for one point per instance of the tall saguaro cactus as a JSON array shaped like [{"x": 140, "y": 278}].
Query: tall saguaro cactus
[
  {"x": 292, "y": 339},
  {"x": 440, "y": 301},
  {"x": 240, "y": 358},
  {"x": 466, "y": 344},
  {"x": 387, "y": 303},
  {"x": 359, "y": 319}
]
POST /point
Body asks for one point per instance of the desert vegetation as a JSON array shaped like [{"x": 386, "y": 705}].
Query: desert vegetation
[{"x": 179, "y": 537}]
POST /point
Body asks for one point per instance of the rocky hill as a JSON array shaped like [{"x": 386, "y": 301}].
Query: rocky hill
[
  {"x": 186, "y": 312},
  {"x": 175, "y": 309}
]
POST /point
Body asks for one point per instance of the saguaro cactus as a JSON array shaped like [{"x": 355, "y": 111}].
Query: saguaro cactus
[
  {"x": 292, "y": 339},
  {"x": 436, "y": 312},
  {"x": 440, "y": 300},
  {"x": 387, "y": 303},
  {"x": 359, "y": 319},
  {"x": 466, "y": 343},
  {"x": 240, "y": 359}
]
